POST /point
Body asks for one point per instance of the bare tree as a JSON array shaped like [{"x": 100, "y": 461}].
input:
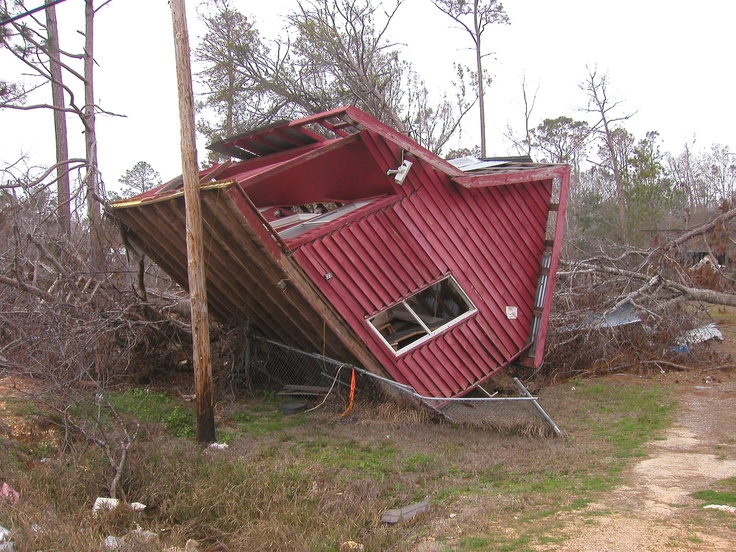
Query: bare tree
[
  {"x": 63, "y": 194},
  {"x": 32, "y": 46},
  {"x": 605, "y": 108},
  {"x": 474, "y": 17},
  {"x": 336, "y": 52}
]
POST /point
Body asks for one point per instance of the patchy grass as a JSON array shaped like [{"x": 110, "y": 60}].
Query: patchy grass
[
  {"x": 313, "y": 481},
  {"x": 724, "y": 493}
]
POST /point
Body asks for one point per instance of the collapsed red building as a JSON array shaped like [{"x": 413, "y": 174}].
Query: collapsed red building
[{"x": 337, "y": 234}]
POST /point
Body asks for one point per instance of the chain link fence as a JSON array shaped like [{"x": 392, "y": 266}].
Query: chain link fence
[{"x": 292, "y": 372}]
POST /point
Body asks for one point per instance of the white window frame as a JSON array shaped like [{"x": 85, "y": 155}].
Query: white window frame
[{"x": 430, "y": 332}]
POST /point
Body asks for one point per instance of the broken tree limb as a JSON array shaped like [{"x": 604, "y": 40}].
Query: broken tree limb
[
  {"x": 697, "y": 294},
  {"x": 725, "y": 217},
  {"x": 657, "y": 363},
  {"x": 33, "y": 290}
]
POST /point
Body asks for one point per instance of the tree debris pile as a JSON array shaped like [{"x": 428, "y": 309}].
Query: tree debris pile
[
  {"x": 609, "y": 319},
  {"x": 69, "y": 322}
]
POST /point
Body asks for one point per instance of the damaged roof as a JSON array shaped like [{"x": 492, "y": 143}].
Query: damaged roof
[{"x": 337, "y": 234}]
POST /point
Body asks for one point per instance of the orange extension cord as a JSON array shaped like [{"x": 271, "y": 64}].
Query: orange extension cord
[{"x": 352, "y": 395}]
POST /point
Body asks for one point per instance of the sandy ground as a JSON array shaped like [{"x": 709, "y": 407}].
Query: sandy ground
[{"x": 653, "y": 511}]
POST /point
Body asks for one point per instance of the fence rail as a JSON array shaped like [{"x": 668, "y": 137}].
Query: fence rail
[{"x": 302, "y": 373}]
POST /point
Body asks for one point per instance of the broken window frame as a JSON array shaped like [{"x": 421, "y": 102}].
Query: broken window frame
[{"x": 429, "y": 332}]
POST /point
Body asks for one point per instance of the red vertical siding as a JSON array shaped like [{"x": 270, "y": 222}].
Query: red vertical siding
[{"x": 490, "y": 239}]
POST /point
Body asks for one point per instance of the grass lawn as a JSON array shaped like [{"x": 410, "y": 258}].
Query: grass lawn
[{"x": 314, "y": 481}]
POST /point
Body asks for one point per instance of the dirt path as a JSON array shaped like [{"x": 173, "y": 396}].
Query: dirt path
[{"x": 654, "y": 510}]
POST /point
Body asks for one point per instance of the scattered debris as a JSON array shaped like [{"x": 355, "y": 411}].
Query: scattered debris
[
  {"x": 347, "y": 546},
  {"x": 8, "y": 494},
  {"x": 405, "y": 513},
  {"x": 304, "y": 390},
  {"x": 111, "y": 543},
  {"x": 103, "y": 503},
  {"x": 622, "y": 315},
  {"x": 721, "y": 507},
  {"x": 191, "y": 546},
  {"x": 131, "y": 541},
  {"x": 6, "y": 544},
  {"x": 700, "y": 335},
  {"x": 218, "y": 446}
]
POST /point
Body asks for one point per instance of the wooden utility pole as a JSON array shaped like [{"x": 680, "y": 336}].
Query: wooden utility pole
[{"x": 195, "y": 249}]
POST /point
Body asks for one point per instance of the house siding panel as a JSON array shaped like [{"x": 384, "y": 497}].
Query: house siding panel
[{"x": 390, "y": 254}]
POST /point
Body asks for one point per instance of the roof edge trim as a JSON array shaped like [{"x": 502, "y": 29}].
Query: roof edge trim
[
  {"x": 525, "y": 175},
  {"x": 124, "y": 204}
]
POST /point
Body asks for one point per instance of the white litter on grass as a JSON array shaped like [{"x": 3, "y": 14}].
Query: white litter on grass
[
  {"x": 102, "y": 503},
  {"x": 218, "y": 446},
  {"x": 6, "y": 545},
  {"x": 105, "y": 503},
  {"x": 721, "y": 507},
  {"x": 111, "y": 543}
]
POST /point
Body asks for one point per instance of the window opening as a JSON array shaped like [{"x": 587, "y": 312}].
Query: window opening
[{"x": 423, "y": 315}]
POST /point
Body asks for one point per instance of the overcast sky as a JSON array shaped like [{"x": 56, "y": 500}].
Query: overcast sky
[{"x": 668, "y": 61}]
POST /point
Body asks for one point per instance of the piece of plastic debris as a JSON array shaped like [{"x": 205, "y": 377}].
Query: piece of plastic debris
[
  {"x": 105, "y": 503},
  {"x": 9, "y": 494},
  {"x": 722, "y": 508},
  {"x": 111, "y": 543},
  {"x": 143, "y": 534},
  {"x": 191, "y": 546},
  {"x": 6, "y": 544},
  {"x": 137, "y": 506},
  {"x": 350, "y": 545},
  {"x": 218, "y": 446}
]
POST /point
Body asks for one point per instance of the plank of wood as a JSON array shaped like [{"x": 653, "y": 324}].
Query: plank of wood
[{"x": 405, "y": 513}]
